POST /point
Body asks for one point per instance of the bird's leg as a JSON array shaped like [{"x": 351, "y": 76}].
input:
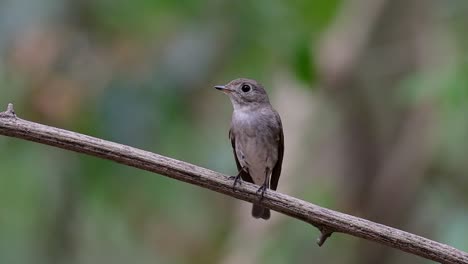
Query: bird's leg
[
  {"x": 265, "y": 184},
  {"x": 238, "y": 179}
]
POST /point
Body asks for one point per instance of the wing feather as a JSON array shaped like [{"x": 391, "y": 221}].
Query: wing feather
[{"x": 276, "y": 172}]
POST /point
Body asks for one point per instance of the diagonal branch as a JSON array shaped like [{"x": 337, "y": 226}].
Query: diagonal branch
[{"x": 328, "y": 221}]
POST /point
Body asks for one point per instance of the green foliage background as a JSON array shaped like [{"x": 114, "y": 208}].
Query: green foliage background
[{"x": 141, "y": 73}]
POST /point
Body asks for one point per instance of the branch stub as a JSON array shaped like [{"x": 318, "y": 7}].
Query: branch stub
[{"x": 9, "y": 113}]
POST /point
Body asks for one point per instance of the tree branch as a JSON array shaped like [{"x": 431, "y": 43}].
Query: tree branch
[{"x": 328, "y": 221}]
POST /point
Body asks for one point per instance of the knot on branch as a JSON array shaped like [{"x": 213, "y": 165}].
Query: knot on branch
[
  {"x": 324, "y": 234},
  {"x": 9, "y": 113}
]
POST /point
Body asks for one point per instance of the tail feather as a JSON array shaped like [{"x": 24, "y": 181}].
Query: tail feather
[{"x": 260, "y": 212}]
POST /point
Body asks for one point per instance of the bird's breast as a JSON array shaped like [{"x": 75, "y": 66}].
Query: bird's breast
[{"x": 256, "y": 143}]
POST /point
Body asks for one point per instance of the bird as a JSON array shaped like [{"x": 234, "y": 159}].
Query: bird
[{"x": 257, "y": 139}]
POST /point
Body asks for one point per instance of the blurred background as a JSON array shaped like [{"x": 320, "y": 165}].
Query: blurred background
[{"x": 373, "y": 95}]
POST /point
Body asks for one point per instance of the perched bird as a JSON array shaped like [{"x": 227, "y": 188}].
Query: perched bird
[{"x": 256, "y": 135}]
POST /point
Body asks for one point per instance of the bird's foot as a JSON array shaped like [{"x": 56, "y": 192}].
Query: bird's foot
[
  {"x": 237, "y": 180},
  {"x": 261, "y": 191}
]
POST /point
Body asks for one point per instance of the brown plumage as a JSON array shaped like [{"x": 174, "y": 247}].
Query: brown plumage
[{"x": 256, "y": 136}]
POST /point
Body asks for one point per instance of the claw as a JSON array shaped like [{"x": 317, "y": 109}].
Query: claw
[
  {"x": 265, "y": 185},
  {"x": 261, "y": 191},
  {"x": 237, "y": 180}
]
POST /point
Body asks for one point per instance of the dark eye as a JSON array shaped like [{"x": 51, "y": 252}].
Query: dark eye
[{"x": 245, "y": 88}]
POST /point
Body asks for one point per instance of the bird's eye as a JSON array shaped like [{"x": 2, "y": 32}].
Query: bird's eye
[{"x": 245, "y": 88}]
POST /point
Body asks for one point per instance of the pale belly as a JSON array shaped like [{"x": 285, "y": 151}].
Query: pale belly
[
  {"x": 257, "y": 155},
  {"x": 256, "y": 139}
]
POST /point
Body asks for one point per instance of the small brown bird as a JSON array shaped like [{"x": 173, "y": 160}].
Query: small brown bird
[{"x": 257, "y": 139}]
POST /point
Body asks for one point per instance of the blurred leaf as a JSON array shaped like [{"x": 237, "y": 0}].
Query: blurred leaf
[{"x": 304, "y": 63}]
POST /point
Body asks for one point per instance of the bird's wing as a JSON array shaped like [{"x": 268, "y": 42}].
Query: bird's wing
[
  {"x": 244, "y": 174},
  {"x": 276, "y": 172}
]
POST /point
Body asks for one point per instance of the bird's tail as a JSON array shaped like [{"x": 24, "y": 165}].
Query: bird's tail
[{"x": 260, "y": 212}]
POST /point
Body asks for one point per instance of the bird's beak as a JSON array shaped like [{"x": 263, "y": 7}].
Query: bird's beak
[{"x": 223, "y": 88}]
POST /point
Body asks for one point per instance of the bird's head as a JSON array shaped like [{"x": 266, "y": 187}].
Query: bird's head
[{"x": 244, "y": 92}]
